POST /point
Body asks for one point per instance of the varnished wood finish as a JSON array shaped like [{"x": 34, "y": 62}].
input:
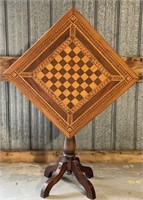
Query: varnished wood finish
[
  {"x": 5, "y": 63},
  {"x": 68, "y": 163},
  {"x": 70, "y": 72},
  {"x": 83, "y": 180},
  {"x": 69, "y": 146},
  {"x": 56, "y": 175},
  {"x": 135, "y": 63},
  {"x": 56, "y": 172}
]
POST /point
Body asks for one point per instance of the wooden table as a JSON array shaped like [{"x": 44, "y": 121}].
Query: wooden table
[{"x": 71, "y": 74}]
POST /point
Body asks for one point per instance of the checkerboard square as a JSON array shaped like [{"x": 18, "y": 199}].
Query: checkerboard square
[
  {"x": 70, "y": 105},
  {"x": 53, "y": 88},
  {"x": 89, "y": 72},
  {"x": 79, "y": 89},
  {"x": 71, "y": 71},
  {"x": 62, "y": 80},
  {"x": 80, "y": 80},
  {"x": 58, "y": 84},
  {"x": 97, "y": 81},
  {"x": 67, "y": 84},
  {"x": 72, "y": 54},
  {"x": 98, "y": 73},
  {"x": 71, "y": 80},
  {"x": 72, "y": 45},
  {"x": 62, "y": 71},
  {"x": 62, "y": 62},
  {"x": 70, "y": 97},
  {"x": 80, "y": 55},
  {"x": 49, "y": 75},
  {"x": 67, "y": 58},
  {"x": 44, "y": 79},
  {"x": 58, "y": 58},
  {"x": 89, "y": 64},
  {"x": 62, "y": 88},
  {"x": 80, "y": 63},
  {"x": 80, "y": 72},
  {"x": 76, "y": 59},
  {"x": 54, "y": 79},
  {"x": 66, "y": 92},
  {"x": 62, "y": 96},
  {"x": 63, "y": 54},
  {"x": 88, "y": 89},
  {"x": 45, "y": 71},
  {"x": 48, "y": 84},
  {"x": 71, "y": 63},
  {"x": 79, "y": 97},
  {"x": 54, "y": 62},
  {"x": 53, "y": 71}
]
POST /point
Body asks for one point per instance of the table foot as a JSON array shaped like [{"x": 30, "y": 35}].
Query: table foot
[
  {"x": 90, "y": 192},
  {"x": 56, "y": 176},
  {"x": 87, "y": 170},
  {"x": 50, "y": 169}
]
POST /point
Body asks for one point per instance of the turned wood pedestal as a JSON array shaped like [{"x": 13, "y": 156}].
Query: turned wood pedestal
[{"x": 68, "y": 163}]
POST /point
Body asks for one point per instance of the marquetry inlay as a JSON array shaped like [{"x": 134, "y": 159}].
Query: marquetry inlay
[{"x": 71, "y": 74}]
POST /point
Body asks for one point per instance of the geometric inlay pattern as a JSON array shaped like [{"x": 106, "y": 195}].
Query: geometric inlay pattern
[{"x": 71, "y": 74}]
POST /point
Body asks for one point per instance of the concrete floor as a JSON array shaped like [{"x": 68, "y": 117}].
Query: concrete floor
[{"x": 112, "y": 182}]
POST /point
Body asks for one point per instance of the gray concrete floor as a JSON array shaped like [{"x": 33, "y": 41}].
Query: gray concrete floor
[{"x": 22, "y": 181}]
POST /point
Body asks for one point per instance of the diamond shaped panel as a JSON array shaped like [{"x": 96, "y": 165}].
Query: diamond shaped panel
[{"x": 71, "y": 74}]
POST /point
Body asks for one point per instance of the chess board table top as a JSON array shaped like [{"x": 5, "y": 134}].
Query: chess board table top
[{"x": 71, "y": 74}]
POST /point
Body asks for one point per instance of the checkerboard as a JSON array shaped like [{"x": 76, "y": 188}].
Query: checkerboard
[{"x": 71, "y": 76}]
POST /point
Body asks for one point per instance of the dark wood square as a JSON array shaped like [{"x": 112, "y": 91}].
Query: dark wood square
[{"x": 71, "y": 74}]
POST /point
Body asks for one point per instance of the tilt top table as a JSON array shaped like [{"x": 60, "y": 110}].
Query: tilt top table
[{"x": 71, "y": 74}]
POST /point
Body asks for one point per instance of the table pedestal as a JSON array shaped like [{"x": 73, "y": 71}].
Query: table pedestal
[{"x": 68, "y": 163}]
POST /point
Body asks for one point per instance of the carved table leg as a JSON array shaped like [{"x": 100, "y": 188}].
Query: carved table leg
[
  {"x": 50, "y": 169},
  {"x": 87, "y": 170},
  {"x": 56, "y": 176},
  {"x": 83, "y": 180}
]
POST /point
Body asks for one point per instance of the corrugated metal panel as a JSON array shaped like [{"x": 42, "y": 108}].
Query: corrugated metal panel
[
  {"x": 17, "y": 40},
  {"x": 140, "y": 50},
  {"x": 129, "y": 27},
  {"x": 4, "y": 138},
  {"x": 4, "y": 124},
  {"x": 139, "y": 135},
  {"x": 22, "y": 126},
  {"x": 107, "y": 14},
  {"x": 39, "y": 23},
  {"x": 139, "y": 131},
  {"x": 4, "y": 108},
  {"x": 128, "y": 45}
]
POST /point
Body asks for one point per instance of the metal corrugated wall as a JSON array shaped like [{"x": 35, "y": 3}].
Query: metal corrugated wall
[{"x": 22, "y": 126}]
